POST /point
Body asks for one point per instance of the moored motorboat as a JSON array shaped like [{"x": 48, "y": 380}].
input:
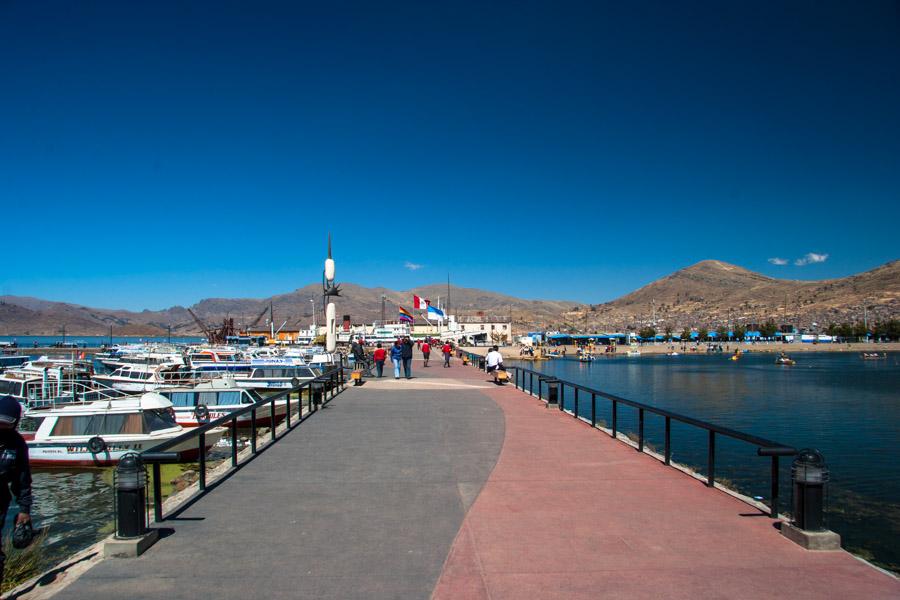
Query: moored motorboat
[
  {"x": 145, "y": 378},
  {"x": 217, "y": 398},
  {"x": 98, "y": 434}
]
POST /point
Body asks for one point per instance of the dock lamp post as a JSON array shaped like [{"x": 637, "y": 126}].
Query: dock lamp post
[
  {"x": 809, "y": 476},
  {"x": 552, "y": 389},
  {"x": 131, "y": 497}
]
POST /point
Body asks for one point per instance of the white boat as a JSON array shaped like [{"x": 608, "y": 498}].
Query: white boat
[
  {"x": 218, "y": 359},
  {"x": 217, "y": 398},
  {"x": 98, "y": 434},
  {"x": 276, "y": 377},
  {"x": 46, "y": 381},
  {"x": 146, "y": 378}
]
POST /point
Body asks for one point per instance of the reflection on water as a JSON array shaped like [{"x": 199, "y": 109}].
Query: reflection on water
[{"x": 846, "y": 407}]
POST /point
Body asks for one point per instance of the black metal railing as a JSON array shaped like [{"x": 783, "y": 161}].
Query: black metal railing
[
  {"x": 319, "y": 391},
  {"x": 524, "y": 379}
]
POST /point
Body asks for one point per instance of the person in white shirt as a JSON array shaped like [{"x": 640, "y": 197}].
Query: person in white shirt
[{"x": 494, "y": 361}]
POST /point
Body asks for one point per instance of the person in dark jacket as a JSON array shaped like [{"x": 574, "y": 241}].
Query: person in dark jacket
[
  {"x": 407, "y": 354},
  {"x": 15, "y": 472}
]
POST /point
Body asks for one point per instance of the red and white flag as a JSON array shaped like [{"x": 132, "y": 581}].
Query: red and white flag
[{"x": 420, "y": 303}]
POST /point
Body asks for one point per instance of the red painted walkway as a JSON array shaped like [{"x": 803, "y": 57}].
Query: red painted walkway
[{"x": 569, "y": 513}]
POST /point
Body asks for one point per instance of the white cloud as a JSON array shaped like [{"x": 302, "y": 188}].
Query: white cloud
[
  {"x": 412, "y": 266},
  {"x": 811, "y": 258},
  {"x": 778, "y": 261}
]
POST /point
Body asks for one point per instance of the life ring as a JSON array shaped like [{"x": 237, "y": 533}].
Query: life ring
[
  {"x": 295, "y": 382},
  {"x": 201, "y": 412},
  {"x": 96, "y": 445}
]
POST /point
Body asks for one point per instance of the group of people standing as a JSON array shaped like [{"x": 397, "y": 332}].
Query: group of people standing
[{"x": 401, "y": 355}]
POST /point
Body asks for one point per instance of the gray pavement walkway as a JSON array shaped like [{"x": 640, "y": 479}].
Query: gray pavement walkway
[{"x": 363, "y": 500}]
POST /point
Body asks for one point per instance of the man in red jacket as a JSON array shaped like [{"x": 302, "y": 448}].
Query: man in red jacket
[
  {"x": 447, "y": 350},
  {"x": 426, "y": 352},
  {"x": 379, "y": 356}
]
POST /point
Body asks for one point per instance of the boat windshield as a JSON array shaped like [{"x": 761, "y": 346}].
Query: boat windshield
[{"x": 157, "y": 419}]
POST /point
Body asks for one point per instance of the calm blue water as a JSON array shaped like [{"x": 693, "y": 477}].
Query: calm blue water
[
  {"x": 93, "y": 341},
  {"x": 846, "y": 407}
]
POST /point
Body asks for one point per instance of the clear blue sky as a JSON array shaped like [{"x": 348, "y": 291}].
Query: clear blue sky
[{"x": 158, "y": 153}]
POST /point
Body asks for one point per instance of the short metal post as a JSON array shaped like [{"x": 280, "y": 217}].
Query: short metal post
[
  {"x": 668, "y": 440},
  {"x": 253, "y": 430},
  {"x": 711, "y": 460},
  {"x": 202, "y": 466},
  {"x": 593, "y": 409},
  {"x": 157, "y": 493},
  {"x": 773, "y": 512},
  {"x": 615, "y": 419},
  {"x": 640, "y": 430}
]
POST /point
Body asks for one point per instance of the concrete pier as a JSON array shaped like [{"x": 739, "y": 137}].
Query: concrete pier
[{"x": 448, "y": 486}]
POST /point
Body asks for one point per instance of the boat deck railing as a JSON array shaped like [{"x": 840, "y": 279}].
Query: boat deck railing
[
  {"x": 318, "y": 392},
  {"x": 524, "y": 379}
]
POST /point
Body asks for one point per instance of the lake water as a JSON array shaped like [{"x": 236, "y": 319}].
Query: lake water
[{"x": 846, "y": 407}]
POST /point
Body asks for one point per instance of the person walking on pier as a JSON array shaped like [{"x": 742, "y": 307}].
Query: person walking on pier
[
  {"x": 15, "y": 472},
  {"x": 407, "y": 355},
  {"x": 396, "y": 357},
  {"x": 378, "y": 356},
  {"x": 426, "y": 352},
  {"x": 447, "y": 350}
]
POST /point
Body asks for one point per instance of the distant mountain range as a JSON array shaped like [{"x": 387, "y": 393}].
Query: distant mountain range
[
  {"x": 713, "y": 292},
  {"x": 705, "y": 294}
]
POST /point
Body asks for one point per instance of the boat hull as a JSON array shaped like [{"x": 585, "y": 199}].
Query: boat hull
[
  {"x": 75, "y": 453},
  {"x": 263, "y": 416}
]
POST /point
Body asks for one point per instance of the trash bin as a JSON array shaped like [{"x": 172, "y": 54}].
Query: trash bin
[{"x": 482, "y": 363}]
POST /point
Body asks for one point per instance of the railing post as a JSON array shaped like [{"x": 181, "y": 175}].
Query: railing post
[
  {"x": 773, "y": 512},
  {"x": 615, "y": 419},
  {"x": 234, "y": 441},
  {"x": 711, "y": 460},
  {"x": 640, "y": 430},
  {"x": 157, "y": 493},
  {"x": 272, "y": 417},
  {"x": 576, "y": 404},
  {"x": 531, "y": 384},
  {"x": 562, "y": 394},
  {"x": 202, "y": 466},
  {"x": 287, "y": 414},
  {"x": 593, "y": 409},
  {"x": 253, "y": 430},
  {"x": 668, "y": 440}
]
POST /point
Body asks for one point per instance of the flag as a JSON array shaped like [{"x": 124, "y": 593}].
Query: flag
[
  {"x": 435, "y": 312},
  {"x": 419, "y": 302},
  {"x": 405, "y": 316}
]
